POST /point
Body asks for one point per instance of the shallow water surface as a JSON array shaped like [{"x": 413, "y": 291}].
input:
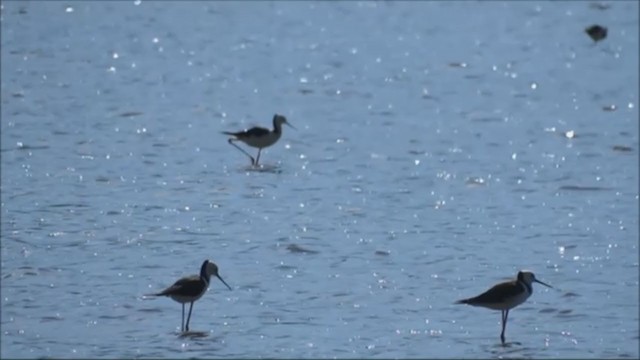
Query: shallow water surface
[{"x": 440, "y": 147}]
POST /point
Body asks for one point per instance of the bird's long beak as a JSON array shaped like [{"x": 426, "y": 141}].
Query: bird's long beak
[
  {"x": 540, "y": 282},
  {"x": 293, "y": 127},
  {"x": 224, "y": 282}
]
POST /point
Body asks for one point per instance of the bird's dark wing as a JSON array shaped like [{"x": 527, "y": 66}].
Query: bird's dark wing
[
  {"x": 253, "y": 132},
  {"x": 496, "y": 294},
  {"x": 187, "y": 286}
]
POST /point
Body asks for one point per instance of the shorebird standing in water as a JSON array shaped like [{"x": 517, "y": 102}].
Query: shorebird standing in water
[
  {"x": 505, "y": 296},
  {"x": 259, "y": 137},
  {"x": 191, "y": 288}
]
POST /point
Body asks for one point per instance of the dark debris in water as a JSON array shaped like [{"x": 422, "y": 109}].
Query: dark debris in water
[
  {"x": 568, "y": 314},
  {"x": 56, "y": 317},
  {"x": 286, "y": 267},
  {"x": 475, "y": 181},
  {"x": 297, "y": 249},
  {"x": 622, "y": 148},
  {"x": 596, "y": 32},
  {"x": 23, "y": 146},
  {"x": 599, "y": 6},
  {"x": 130, "y": 114},
  {"x": 582, "y": 188},
  {"x": 455, "y": 64},
  {"x": 149, "y": 310}
]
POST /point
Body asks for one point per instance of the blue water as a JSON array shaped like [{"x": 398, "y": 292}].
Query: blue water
[{"x": 440, "y": 147}]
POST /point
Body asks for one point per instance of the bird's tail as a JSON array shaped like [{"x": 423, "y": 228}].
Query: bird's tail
[
  {"x": 228, "y": 133},
  {"x": 463, "y": 301}
]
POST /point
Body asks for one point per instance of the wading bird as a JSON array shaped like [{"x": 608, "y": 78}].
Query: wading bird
[
  {"x": 191, "y": 288},
  {"x": 259, "y": 137},
  {"x": 505, "y": 296}
]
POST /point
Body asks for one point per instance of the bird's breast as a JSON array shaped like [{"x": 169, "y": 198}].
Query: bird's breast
[{"x": 263, "y": 140}]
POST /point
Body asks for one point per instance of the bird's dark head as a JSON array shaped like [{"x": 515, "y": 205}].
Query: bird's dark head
[
  {"x": 528, "y": 278},
  {"x": 278, "y": 120},
  {"x": 208, "y": 268},
  {"x": 211, "y": 269}
]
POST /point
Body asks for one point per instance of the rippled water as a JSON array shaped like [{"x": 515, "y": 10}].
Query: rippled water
[{"x": 440, "y": 147}]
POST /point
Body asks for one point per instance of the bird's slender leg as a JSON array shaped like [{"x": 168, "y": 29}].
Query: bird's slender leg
[
  {"x": 505, "y": 314},
  {"x": 182, "y": 324},
  {"x": 258, "y": 157},
  {"x": 189, "y": 317},
  {"x": 231, "y": 141}
]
